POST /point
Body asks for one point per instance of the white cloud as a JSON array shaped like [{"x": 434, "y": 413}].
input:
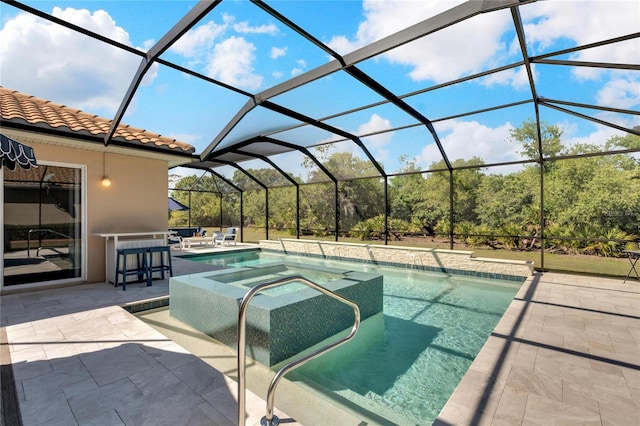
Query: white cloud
[
  {"x": 385, "y": 17},
  {"x": 90, "y": 75},
  {"x": 621, "y": 93},
  {"x": 148, "y": 44},
  {"x": 99, "y": 22},
  {"x": 198, "y": 41},
  {"x": 442, "y": 56},
  {"x": 591, "y": 21},
  {"x": 292, "y": 162},
  {"x": 342, "y": 45},
  {"x": 302, "y": 64},
  {"x": 375, "y": 124},
  {"x": 376, "y": 144},
  {"x": 515, "y": 77},
  {"x": 600, "y": 135},
  {"x": 467, "y": 139},
  {"x": 232, "y": 63},
  {"x": 477, "y": 43},
  {"x": 228, "y": 59},
  {"x": 277, "y": 52},
  {"x": 546, "y": 23},
  {"x": 245, "y": 28}
]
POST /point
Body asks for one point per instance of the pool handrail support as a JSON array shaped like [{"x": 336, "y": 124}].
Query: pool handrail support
[{"x": 270, "y": 419}]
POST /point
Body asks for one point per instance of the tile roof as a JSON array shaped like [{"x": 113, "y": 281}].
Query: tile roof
[
  {"x": 34, "y": 176},
  {"x": 19, "y": 108}
]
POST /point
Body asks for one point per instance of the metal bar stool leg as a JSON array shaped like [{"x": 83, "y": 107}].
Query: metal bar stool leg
[
  {"x": 163, "y": 266},
  {"x": 124, "y": 271},
  {"x": 168, "y": 251},
  {"x": 141, "y": 268},
  {"x": 115, "y": 281}
]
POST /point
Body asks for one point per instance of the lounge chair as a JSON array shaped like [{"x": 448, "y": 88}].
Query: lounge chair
[
  {"x": 174, "y": 239},
  {"x": 227, "y": 238}
]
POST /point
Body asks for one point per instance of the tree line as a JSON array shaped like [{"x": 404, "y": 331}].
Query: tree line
[{"x": 591, "y": 201}]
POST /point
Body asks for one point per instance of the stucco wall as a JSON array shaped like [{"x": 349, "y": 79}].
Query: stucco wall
[{"x": 135, "y": 201}]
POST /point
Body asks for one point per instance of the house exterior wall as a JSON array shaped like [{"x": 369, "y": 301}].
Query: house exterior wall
[{"x": 136, "y": 201}]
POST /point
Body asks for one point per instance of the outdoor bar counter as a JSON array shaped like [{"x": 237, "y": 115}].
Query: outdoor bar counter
[{"x": 117, "y": 240}]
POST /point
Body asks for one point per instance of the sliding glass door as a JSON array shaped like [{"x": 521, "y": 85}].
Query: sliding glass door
[{"x": 42, "y": 224}]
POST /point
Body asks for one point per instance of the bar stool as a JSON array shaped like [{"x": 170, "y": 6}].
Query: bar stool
[
  {"x": 162, "y": 267},
  {"x": 141, "y": 268}
]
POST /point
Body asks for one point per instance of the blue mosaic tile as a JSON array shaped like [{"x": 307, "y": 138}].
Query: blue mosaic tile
[{"x": 278, "y": 327}]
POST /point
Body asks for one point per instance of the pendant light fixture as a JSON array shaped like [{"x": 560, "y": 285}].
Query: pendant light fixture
[{"x": 106, "y": 182}]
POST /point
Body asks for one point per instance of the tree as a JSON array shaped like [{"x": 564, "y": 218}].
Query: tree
[
  {"x": 629, "y": 141},
  {"x": 527, "y": 135},
  {"x": 405, "y": 195},
  {"x": 508, "y": 199},
  {"x": 203, "y": 195},
  {"x": 282, "y": 208},
  {"x": 359, "y": 197},
  {"x": 594, "y": 193},
  {"x": 466, "y": 183}
]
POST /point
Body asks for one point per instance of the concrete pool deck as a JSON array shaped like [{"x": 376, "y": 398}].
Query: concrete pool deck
[{"x": 566, "y": 351}]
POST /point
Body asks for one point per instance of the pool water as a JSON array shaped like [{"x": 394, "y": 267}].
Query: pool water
[
  {"x": 319, "y": 277},
  {"x": 403, "y": 365}
]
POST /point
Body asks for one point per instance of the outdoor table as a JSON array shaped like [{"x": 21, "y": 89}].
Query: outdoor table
[
  {"x": 188, "y": 241},
  {"x": 633, "y": 256}
]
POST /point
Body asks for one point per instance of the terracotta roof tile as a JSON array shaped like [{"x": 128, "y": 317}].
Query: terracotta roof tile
[{"x": 18, "y": 107}]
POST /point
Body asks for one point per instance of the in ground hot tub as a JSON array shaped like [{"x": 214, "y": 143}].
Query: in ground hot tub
[{"x": 281, "y": 321}]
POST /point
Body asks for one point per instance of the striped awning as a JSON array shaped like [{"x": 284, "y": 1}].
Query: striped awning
[{"x": 14, "y": 152}]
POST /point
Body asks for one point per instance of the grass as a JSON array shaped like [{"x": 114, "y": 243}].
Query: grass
[
  {"x": 576, "y": 264},
  {"x": 582, "y": 264}
]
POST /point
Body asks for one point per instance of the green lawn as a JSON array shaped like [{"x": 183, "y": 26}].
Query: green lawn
[{"x": 583, "y": 264}]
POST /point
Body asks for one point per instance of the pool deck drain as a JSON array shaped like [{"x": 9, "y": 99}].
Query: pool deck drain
[{"x": 566, "y": 351}]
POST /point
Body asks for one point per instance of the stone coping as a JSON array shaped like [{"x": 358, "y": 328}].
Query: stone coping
[{"x": 429, "y": 259}]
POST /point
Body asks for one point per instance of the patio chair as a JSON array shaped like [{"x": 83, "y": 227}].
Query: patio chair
[
  {"x": 227, "y": 238},
  {"x": 173, "y": 239}
]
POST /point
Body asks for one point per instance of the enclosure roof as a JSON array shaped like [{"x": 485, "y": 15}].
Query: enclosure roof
[{"x": 402, "y": 85}]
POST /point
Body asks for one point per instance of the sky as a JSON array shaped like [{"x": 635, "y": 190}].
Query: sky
[{"x": 241, "y": 45}]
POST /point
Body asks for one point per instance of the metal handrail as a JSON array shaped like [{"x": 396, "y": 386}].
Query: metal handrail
[
  {"x": 270, "y": 419},
  {"x": 43, "y": 230}
]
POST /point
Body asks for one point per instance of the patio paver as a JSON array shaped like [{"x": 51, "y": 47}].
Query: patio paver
[
  {"x": 79, "y": 358},
  {"x": 566, "y": 351}
]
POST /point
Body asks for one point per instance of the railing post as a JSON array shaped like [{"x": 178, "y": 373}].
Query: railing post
[
  {"x": 241, "y": 360},
  {"x": 270, "y": 419}
]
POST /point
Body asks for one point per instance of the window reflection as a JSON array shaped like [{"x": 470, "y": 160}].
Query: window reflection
[{"x": 42, "y": 224}]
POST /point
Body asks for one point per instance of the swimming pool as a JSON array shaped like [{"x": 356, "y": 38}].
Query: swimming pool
[{"x": 404, "y": 363}]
